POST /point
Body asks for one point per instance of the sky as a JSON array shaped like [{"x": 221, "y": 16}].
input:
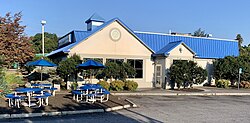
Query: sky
[{"x": 221, "y": 18}]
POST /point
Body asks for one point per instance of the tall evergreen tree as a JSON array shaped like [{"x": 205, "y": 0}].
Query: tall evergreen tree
[
  {"x": 240, "y": 41},
  {"x": 14, "y": 44},
  {"x": 200, "y": 33}
]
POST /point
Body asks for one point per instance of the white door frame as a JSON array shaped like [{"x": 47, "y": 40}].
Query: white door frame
[{"x": 158, "y": 75}]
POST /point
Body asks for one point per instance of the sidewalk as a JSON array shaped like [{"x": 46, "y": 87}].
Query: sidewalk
[{"x": 203, "y": 92}]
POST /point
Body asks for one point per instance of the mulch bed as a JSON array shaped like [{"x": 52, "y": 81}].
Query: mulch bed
[{"x": 62, "y": 102}]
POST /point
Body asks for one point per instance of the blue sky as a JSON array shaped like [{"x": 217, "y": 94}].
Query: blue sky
[{"x": 221, "y": 18}]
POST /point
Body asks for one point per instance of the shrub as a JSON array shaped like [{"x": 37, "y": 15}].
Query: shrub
[
  {"x": 245, "y": 84},
  {"x": 74, "y": 86},
  {"x": 117, "y": 85},
  {"x": 222, "y": 83},
  {"x": 104, "y": 84},
  {"x": 130, "y": 85},
  {"x": 14, "y": 80}
]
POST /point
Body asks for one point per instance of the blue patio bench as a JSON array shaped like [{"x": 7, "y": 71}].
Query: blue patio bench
[
  {"x": 14, "y": 100},
  {"x": 41, "y": 98},
  {"x": 103, "y": 95},
  {"x": 77, "y": 93}
]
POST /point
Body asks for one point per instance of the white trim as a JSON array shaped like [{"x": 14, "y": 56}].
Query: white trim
[{"x": 184, "y": 36}]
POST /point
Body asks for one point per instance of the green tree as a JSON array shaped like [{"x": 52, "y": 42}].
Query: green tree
[
  {"x": 239, "y": 39},
  {"x": 68, "y": 68},
  {"x": 228, "y": 68},
  {"x": 50, "y": 42},
  {"x": 245, "y": 51},
  {"x": 14, "y": 44},
  {"x": 185, "y": 73},
  {"x": 200, "y": 33},
  {"x": 117, "y": 71}
]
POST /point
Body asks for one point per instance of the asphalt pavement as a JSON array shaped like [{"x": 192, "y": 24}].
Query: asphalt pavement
[{"x": 167, "y": 109}]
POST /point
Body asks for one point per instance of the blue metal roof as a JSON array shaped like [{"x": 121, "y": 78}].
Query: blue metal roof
[
  {"x": 203, "y": 47},
  {"x": 95, "y": 17},
  {"x": 155, "y": 42},
  {"x": 82, "y": 35},
  {"x": 170, "y": 46}
]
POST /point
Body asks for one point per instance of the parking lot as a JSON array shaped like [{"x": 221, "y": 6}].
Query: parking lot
[
  {"x": 170, "y": 109},
  {"x": 179, "y": 109}
]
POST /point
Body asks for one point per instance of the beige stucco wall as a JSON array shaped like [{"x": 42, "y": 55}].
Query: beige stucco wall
[
  {"x": 184, "y": 54},
  {"x": 100, "y": 45},
  {"x": 208, "y": 65}
]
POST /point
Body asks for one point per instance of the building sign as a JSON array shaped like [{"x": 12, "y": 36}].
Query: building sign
[{"x": 65, "y": 40}]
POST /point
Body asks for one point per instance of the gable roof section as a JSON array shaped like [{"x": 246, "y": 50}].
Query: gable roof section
[
  {"x": 80, "y": 36},
  {"x": 203, "y": 47},
  {"x": 169, "y": 47}
]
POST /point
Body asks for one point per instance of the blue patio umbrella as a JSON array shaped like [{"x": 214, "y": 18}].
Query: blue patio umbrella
[
  {"x": 90, "y": 64},
  {"x": 41, "y": 63}
]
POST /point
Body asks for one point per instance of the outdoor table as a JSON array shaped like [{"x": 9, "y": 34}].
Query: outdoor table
[
  {"x": 91, "y": 91},
  {"x": 28, "y": 91},
  {"x": 47, "y": 87},
  {"x": 41, "y": 85}
]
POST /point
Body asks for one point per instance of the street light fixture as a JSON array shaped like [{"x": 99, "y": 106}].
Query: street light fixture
[{"x": 43, "y": 22}]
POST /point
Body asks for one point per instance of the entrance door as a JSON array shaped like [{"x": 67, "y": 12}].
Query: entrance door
[{"x": 158, "y": 76}]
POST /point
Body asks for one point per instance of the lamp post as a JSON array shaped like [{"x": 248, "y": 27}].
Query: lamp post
[{"x": 43, "y": 22}]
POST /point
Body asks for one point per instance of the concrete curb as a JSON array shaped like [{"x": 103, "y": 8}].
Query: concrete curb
[
  {"x": 182, "y": 94},
  {"x": 59, "y": 113},
  {"x": 133, "y": 104}
]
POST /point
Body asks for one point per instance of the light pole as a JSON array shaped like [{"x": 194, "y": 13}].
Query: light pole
[{"x": 43, "y": 22}]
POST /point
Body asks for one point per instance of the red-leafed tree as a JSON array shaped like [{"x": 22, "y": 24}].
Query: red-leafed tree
[{"x": 15, "y": 46}]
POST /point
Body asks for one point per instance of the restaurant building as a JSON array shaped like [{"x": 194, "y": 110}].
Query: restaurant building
[{"x": 151, "y": 54}]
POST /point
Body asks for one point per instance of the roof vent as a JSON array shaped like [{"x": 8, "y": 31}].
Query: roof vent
[{"x": 94, "y": 21}]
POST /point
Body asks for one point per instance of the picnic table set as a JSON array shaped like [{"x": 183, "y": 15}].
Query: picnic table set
[
  {"x": 36, "y": 95},
  {"x": 91, "y": 93}
]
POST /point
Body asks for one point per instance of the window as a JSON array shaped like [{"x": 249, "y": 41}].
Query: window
[
  {"x": 138, "y": 65},
  {"x": 100, "y": 60},
  {"x": 176, "y": 61},
  {"x": 118, "y": 61}
]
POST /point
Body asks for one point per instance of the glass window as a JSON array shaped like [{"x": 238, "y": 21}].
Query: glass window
[
  {"x": 118, "y": 61},
  {"x": 138, "y": 65},
  {"x": 96, "y": 59}
]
